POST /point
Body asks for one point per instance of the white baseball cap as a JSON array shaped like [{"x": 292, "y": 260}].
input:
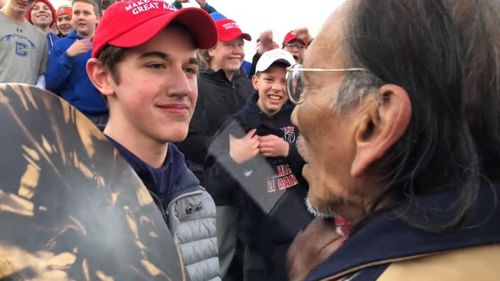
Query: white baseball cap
[{"x": 270, "y": 57}]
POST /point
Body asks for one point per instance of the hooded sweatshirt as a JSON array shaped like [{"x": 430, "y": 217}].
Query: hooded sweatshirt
[
  {"x": 67, "y": 77},
  {"x": 269, "y": 234}
]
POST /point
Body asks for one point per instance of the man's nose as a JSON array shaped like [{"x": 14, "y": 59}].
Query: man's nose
[{"x": 180, "y": 83}]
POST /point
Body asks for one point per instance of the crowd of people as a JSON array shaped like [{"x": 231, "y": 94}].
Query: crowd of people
[{"x": 377, "y": 142}]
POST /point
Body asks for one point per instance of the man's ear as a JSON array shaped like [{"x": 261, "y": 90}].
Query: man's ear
[
  {"x": 100, "y": 77},
  {"x": 211, "y": 51},
  {"x": 255, "y": 79},
  {"x": 380, "y": 125}
]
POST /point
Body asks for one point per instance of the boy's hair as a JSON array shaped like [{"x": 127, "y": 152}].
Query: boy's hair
[
  {"x": 204, "y": 59},
  {"x": 111, "y": 56},
  {"x": 91, "y": 2}
]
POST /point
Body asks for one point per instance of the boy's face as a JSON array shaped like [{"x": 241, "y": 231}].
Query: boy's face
[
  {"x": 41, "y": 15},
  {"x": 157, "y": 93},
  {"x": 84, "y": 19},
  {"x": 272, "y": 90},
  {"x": 227, "y": 55},
  {"x": 19, "y": 6},
  {"x": 297, "y": 49},
  {"x": 64, "y": 23}
]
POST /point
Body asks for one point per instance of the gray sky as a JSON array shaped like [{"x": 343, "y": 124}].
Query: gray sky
[
  {"x": 281, "y": 16},
  {"x": 255, "y": 16}
]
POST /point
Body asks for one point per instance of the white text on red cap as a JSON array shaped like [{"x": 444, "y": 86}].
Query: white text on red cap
[
  {"x": 144, "y": 5},
  {"x": 230, "y": 25}
]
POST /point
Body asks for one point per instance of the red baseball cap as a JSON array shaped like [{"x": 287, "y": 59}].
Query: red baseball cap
[
  {"x": 229, "y": 30},
  {"x": 292, "y": 35},
  {"x": 130, "y": 24}
]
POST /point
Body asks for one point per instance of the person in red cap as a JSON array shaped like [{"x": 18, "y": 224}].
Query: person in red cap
[
  {"x": 296, "y": 42},
  {"x": 43, "y": 15},
  {"x": 64, "y": 26},
  {"x": 144, "y": 62},
  {"x": 23, "y": 47},
  {"x": 223, "y": 90}
]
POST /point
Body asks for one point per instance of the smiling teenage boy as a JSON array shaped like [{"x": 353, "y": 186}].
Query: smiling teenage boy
[
  {"x": 63, "y": 16},
  {"x": 255, "y": 151},
  {"x": 144, "y": 62},
  {"x": 43, "y": 15}
]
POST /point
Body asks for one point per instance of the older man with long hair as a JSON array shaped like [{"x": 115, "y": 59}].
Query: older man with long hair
[{"x": 399, "y": 109}]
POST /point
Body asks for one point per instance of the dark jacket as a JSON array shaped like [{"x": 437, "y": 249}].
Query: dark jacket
[
  {"x": 384, "y": 244},
  {"x": 218, "y": 99},
  {"x": 271, "y": 233},
  {"x": 67, "y": 77}
]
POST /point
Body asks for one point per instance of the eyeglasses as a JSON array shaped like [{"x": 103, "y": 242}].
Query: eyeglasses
[
  {"x": 294, "y": 84},
  {"x": 295, "y": 45}
]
